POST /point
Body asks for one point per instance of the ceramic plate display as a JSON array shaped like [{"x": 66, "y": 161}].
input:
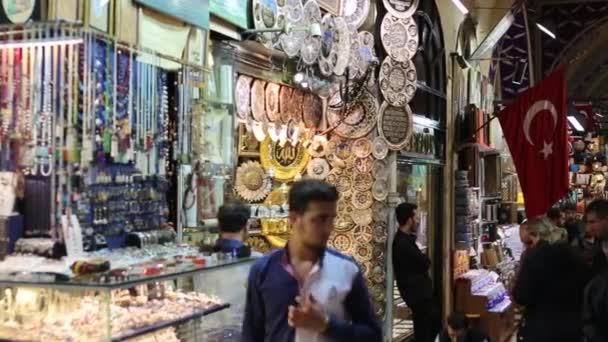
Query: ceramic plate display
[
  {"x": 344, "y": 223},
  {"x": 362, "y": 147},
  {"x": 291, "y": 42},
  {"x": 272, "y": 102},
  {"x": 399, "y": 37},
  {"x": 342, "y": 46},
  {"x": 378, "y": 274},
  {"x": 312, "y": 110},
  {"x": 362, "y": 181},
  {"x": 328, "y": 56},
  {"x": 252, "y": 183},
  {"x": 395, "y": 124},
  {"x": 318, "y": 146},
  {"x": 380, "y": 147},
  {"x": 285, "y": 104},
  {"x": 355, "y": 54},
  {"x": 378, "y": 293},
  {"x": 343, "y": 183},
  {"x": 242, "y": 96},
  {"x": 318, "y": 168},
  {"x": 379, "y": 170},
  {"x": 380, "y": 190},
  {"x": 286, "y": 162},
  {"x": 379, "y": 233},
  {"x": 367, "y": 53},
  {"x": 363, "y": 252},
  {"x": 364, "y": 165},
  {"x": 380, "y": 212},
  {"x": 258, "y": 100},
  {"x": 397, "y": 81},
  {"x": 359, "y": 120},
  {"x": 267, "y": 15},
  {"x": 355, "y": 12},
  {"x": 362, "y": 217},
  {"x": 362, "y": 200},
  {"x": 343, "y": 242},
  {"x": 363, "y": 234},
  {"x": 311, "y": 46},
  {"x": 260, "y": 129},
  {"x": 401, "y": 8},
  {"x": 297, "y": 98}
]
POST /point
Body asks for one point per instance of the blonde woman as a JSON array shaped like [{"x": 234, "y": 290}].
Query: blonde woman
[{"x": 550, "y": 284}]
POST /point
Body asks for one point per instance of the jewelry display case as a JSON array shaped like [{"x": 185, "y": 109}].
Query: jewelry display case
[{"x": 175, "y": 302}]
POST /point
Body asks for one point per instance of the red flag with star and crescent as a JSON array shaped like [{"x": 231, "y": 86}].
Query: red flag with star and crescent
[{"x": 535, "y": 129}]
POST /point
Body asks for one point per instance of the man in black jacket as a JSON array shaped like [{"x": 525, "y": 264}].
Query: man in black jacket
[
  {"x": 596, "y": 216},
  {"x": 411, "y": 268},
  {"x": 595, "y": 314}
]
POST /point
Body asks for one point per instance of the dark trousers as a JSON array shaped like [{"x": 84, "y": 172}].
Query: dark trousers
[{"x": 424, "y": 321}]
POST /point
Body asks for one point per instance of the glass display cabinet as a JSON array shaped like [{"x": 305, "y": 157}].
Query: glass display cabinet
[{"x": 163, "y": 300}]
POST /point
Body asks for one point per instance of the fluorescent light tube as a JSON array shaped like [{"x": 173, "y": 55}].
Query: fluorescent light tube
[
  {"x": 494, "y": 36},
  {"x": 577, "y": 125},
  {"x": 29, "y": 43},
  {"x": 546, "y": 30},
  {"x": 461, "y": 6}
]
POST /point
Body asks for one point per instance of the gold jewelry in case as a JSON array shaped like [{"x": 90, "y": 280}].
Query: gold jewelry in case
[
  {"x": 276, "y": 229},
  {"x": 286, "y": 161}
]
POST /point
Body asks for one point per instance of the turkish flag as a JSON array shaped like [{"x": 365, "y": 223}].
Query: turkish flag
[
  {"x": 535, "y": 129},
  {"x": 587, "y": 110}
]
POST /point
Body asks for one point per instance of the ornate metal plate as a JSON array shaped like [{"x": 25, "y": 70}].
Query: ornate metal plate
[
  {"x": 258, "y": 105},
  {"x": 363, "y": 252},
  {"x": 242, "y": 96},
  {"x": 267, "y": 14},
  {"x": 355, "y": 12},
  {"x": 397, "y": 81},
  {"x": 401, "y": 8},
  {"x": 343, "y": 242},
  {"x": 363, "y": 234},
  {"x": 359, "y": 120},
  {"x": 342, "y": 46},
  {"x": 291, "y": 42},
  {"x": 285, "y": 162},
  {"x": 362, "y": 217},
  {"x": 362, "y": 147},
  {"x": 399, "y": 37},
  {"x": 318, "y": 168},
  {"x": 364, "y": 165},
  {"x": 272, "y": 102},
  {"x": 311, "y": 46},
  {"x": 362, "y": 181},
  {"x": 380, "y": 190},
  {"x": 395, "y": 125},
  {"x": 380, "y": 148},
  {"x": 285, "y": 104},
  {"x": 380, "y": 212},
  {"x": 252, "y": 183},
  {"x": 379, "y": 233},
  {"x": 297, "y": 99},
  {"x": 312, "y": 110},
  {"x": 362, "y": 199}
]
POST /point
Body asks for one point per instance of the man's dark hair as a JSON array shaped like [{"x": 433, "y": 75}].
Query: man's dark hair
[
  {"x": 233, "y": 216},
  {"x": 404, "y": 212},
  {"x": 304, "y": 192},
  {"x": 554, "y": 213},
  {"x": 458, "y": 321},
  {"x": 599, "y": 207}
]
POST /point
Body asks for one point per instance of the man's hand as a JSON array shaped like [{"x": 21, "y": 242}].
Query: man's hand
[{"x": 307, "y": 315}]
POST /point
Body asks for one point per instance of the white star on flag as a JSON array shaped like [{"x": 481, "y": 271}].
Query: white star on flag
[{"x": 547, "y": 149}]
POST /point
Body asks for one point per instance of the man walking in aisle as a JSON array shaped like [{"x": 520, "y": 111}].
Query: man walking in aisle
[
  {"x": 596, "y": 215},
  {"x": 306, "y": 292},
  {"x": 411, "y": 269}
]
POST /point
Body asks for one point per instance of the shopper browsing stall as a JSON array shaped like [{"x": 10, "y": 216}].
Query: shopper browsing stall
[
  {"x": 306, "y": 292},
  {"x": 232, "y": 219}
]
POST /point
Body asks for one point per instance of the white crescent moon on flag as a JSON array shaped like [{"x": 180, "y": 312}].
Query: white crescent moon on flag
[{"x": 536, "y": 108}]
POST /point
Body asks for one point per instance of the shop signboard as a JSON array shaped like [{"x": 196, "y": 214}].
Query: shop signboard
[
  {"x": 194, "y": 12},
  {"x": 233, "y": 11}
]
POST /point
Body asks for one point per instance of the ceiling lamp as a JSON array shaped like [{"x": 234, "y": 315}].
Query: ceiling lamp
[{"x": 546, "y": 30}]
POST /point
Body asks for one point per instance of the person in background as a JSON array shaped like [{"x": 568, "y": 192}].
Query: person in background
[
  {"x": 595, "y": 314},
  {"x": 411, "y": 269},
  {"x": 233, "y": 220},
  {"x": 596, "y": 215},
  {"x": 550, "y": 285},
  {"x": 306, "y": 292},
  {"x": 575, "y": 226},
  {"x": 556, "y": 216},
  {"x": 459, "y": 330}
]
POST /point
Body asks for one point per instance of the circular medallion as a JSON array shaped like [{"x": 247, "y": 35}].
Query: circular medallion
[
  {"x": 399, "y": 37},
  {"x": 397, "y": 81},
  {"x": 242, "y": 96},
  {"x": 362, "y": 147},
  {"x": 297, "y": 99},
  {"x": 252, "y": 183},
  {"x": 380, "y": 147},
  {"x": 312, "y": 110},
  {"x": 363, "y": 234},
  {"x": 272, "y": 102},
  {"x": 343, "y": 242},
  {"x": 364, "y": 165},
  {"x": 379, "y": 170},
  {"x": 18, "y": 11},
  {"x": 380, "y": 190},
  {"x": 355, "y": 12},
  {"x": 395, "y": 125},
  {"x": 359, "y": 119},
  {"x": 362, "y": 217},
  {"x": 363, "y": 252},
  {"x": 362, "y": 181},
  {"x": 258, "y": 105},
  {"x": 380, "y": 212},
  {"x": 401, "y": 8},
  {"x": 311, "y": 46},
  {"x": 285, "y": 104},
  {"x": 378, "y": 275},
  {"x": 285, "y": 161},
  {"x": 266, "y": 15},
  {"x": 362, "y": 200},
  {"x": 318, "y": 168},
  {"x": 344, "y": 183}
]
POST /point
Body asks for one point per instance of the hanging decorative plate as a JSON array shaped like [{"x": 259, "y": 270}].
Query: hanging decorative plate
[
  {"x": 380, "y": 190},
  {"x": 297, "y": 99},
  {"x": 362, "y": 181},
  {"x": 364, "y": 165},
  {"x": 343, "y": 150},
  {"x": 397, "y": 81},
  {"x": 378, "y": 275},
  {"x": 272, "y": 102},
  {"x": 344, "y": 223},
  {"x": 378, "y": 293},
  {"x": 363, "y": 234},
  {"x": 312, "y": 110},
  {"x": 355, "y": 54},
  {"x": 343, "y": 183},
  {"x": 359, "y": 120},
  {"x": 380, "y": 212},
  {"x": 362, "y": 147},
  {"x": 395, "y": 125},
  {"x": 291, "y": 42},
  {"x": 267, "y": 15},
  {"x": 367, "y": 52},
  {"x": 401, "y": 8},
  {"x": 311, "y": 46},
  {"x": 343, "y": 242},
  {"x": 318, "y": 168},
  {"x": 379, "y": 233},
  {"x": 363, "y": 252},
  {"x": 242, "y": 96},
  {"x": 362, "y": 217},
  {"x": 258, "y": 106},
  {"x": 379, "y": 170},
  {"x": 328, "y": 56},
  {"x": 399, "y": 37},
  {"x": 318, "y": 146},
  {"x": 285, "y": 104},
  {"x": 342, "y": 46},
  {"x": 260, "y": 129},
  {"x": 286, "y": 161},
  {"x": 355, "y": 12},
  {"x": 380, "y": 147},
  {"x": 362, "y": 200},
  {"x": 252, "y": 183}
]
